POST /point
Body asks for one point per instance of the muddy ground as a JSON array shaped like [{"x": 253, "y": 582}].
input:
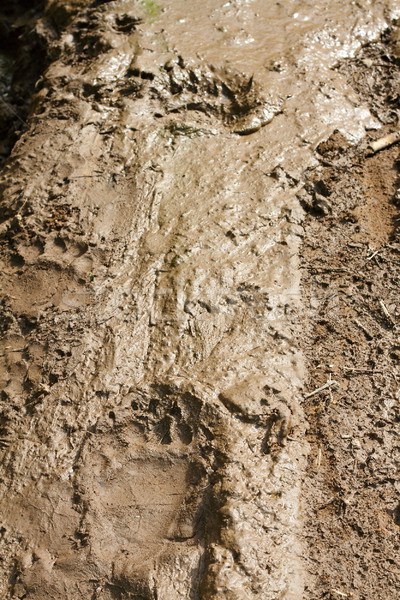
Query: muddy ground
[{"x": 193, "y": 243}]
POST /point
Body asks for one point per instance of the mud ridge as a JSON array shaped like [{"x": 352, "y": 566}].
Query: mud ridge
[{"x": 135, "y": 465}]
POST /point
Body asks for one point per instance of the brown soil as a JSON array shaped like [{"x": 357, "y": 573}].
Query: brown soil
[
  {"x": 180, "y": 244},
  {"x": 351, "y": 258}
]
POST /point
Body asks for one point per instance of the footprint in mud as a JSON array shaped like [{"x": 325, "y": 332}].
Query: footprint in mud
[
  {"x": 52, "y": 273},
  {"x": 69, "y": 253},
  {"x": 45, "y": 285},
  {"x": 124, "y": 527},
  {"x": 228, "y": 96},
  {"x": 139, "y": 513}
]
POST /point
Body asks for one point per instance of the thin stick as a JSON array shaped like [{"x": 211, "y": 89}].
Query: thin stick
[
  {"x": 340, "y": 593},
  {"x": 384, "y": 142},
  {"x": 326, "y": 385},
  {"x": 364, "y": 329},
  {"x": 362, "y": 371},
  {"x": 387, "y": 313},
  {"x": 372, "y": 255},
  {"x": 9, "y": 351},
  {"x": 318, "y": 459}
]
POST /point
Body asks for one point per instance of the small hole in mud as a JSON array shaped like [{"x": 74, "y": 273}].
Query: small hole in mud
[
  {"x": 175, "y": 411},
  {"x": 147, "y": 75},
  {"x": 162, "y": 430},
  {"x": 185, "y": 433},
  {"x": 208, "y": 434},
  {"x": 27, "y": 324},
  {"x": 59, "y": 242},
  {"x": 111, "y": 415},
  {"x": 17, "y": 260},
  {"x": 396, "y": 515},
  {"x": 153, "y": 405}
]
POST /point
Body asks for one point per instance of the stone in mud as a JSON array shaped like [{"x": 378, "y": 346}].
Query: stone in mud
[{"x": 321, "y": 205}]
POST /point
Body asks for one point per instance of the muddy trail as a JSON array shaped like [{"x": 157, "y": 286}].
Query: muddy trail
[{"x": 199, "y": 351}]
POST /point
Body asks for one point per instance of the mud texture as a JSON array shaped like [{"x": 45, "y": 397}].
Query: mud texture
[{"x": 191, "y": 189}]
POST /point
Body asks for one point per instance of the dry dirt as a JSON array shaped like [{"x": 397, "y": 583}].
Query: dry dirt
[
  {"x": 194, "y": 238},
  {"x": 352, "y": 491}
]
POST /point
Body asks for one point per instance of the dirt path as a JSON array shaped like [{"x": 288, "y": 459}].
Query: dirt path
[{"x": 157, "y": 215}]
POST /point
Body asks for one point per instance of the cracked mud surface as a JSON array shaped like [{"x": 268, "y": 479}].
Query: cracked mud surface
[{"x": 194, "y": 238}]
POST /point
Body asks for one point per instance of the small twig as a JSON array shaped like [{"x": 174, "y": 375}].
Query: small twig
[
  {"x": 364, "y": 329},
  {"x": 384, "y": 142},
  {"x": 387, "y": 313},
  {"x": 395, "y": 248},
  {"x": 373, "y": 254},
  {"x": 330, "y": 501},
  {"x": 318, "y": 459},
  {"x": 326, "y": 385},
  {"x": 329, "y": 270},
  {"x": 15, "y": 350},
  {"x": 339, "y": 593},
  {"x": 361, "y": 371}
]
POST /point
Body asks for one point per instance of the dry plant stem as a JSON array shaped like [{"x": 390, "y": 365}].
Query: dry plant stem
[
  {"x": 340, "y": 593},
  {"x": 387, "y": 313},
  {"x": 384, "y": 142},
  {"x": 326, "y": 385},
  {"x": 372, "y": 255},
  {"x": 361, "y": 371},
  {"x": 364, "y": 329}
]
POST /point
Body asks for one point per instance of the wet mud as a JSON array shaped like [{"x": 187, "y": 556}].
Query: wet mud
[{"x": 195, "y": 236}]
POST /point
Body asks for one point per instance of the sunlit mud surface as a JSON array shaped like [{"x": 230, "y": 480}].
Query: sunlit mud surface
[{"x": 153, "y": 320}]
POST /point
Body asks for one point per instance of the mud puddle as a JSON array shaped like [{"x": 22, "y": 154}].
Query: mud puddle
[{"x": 153, "y": 358}]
